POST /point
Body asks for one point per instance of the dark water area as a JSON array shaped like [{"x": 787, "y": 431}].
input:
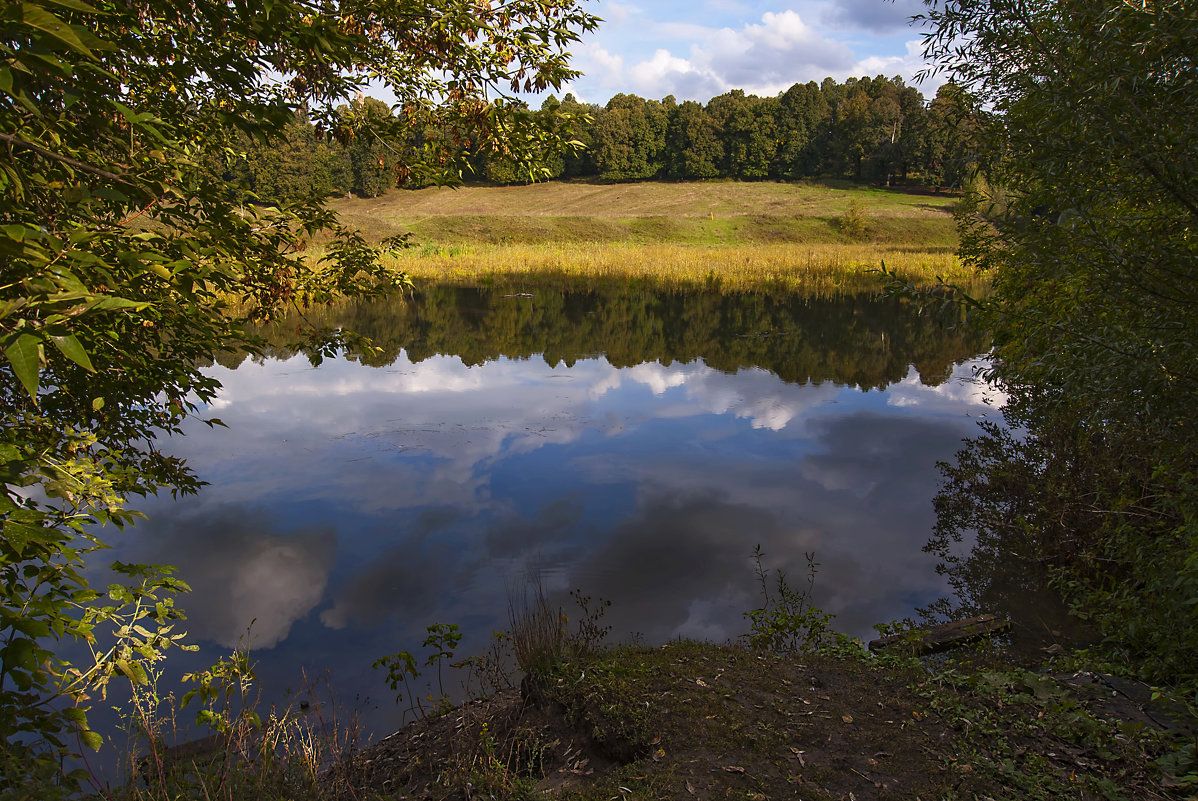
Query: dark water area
[{"x": 634, "y": 444}]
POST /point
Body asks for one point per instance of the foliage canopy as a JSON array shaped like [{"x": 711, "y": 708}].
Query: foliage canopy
[
  {"x": 126, "y": 265},
  {"x": 1095, "y": 266}
]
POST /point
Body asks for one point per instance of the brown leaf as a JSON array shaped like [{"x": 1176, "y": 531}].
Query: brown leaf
[
  {"x": 734, "y": 769},
  {"x": 690, "y": 788},
  {"x": 847, "y": 718}
]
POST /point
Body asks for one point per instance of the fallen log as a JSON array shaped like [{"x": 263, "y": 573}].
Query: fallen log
[{"x": 944, "y": 636}]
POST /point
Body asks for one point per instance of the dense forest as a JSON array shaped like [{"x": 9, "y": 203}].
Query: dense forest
[{"x": 869, "y": 129}]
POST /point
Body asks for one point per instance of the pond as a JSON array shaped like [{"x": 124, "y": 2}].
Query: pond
[{"x": 631, "y": 443}]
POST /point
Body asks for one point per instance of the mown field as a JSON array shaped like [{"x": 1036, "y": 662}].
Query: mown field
[{"x": 816, "y": 236}]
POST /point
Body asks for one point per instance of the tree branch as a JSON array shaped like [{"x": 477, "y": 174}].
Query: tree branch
[{"x": 13, "y": 141}]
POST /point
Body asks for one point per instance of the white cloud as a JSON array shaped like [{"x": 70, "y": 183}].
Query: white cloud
[
  {"x": 880, "y": 17},
  {"x": 697, "y": 62},
  {"x": 661, "y": 70},
  {"x": 657, "y": 378},
  {"x": 251, "y": 580},
  {"x": 964, "y": 392}
]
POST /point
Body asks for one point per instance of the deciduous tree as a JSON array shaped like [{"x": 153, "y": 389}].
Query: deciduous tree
[
  {"x": 630, "y": 139},
  {"x": 1096, "y": 298},
  {"x": 126, "y": 264},
  {"x": 693, "y": 143}
]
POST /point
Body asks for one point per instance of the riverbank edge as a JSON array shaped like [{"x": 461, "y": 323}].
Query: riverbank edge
[{"x": 699, "y": 720}]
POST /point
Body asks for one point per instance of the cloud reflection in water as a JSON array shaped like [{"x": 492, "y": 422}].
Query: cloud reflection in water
[{"x": 349, "y": 507}]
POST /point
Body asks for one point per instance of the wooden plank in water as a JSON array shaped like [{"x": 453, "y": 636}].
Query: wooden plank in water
[{"x": 946, "y": 635}]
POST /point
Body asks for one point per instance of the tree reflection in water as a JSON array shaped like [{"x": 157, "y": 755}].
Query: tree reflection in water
[{"x": 632, "y": 442}]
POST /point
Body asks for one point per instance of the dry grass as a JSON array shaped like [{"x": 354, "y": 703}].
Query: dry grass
[
  {"x": 538, "y": 634},
  {"x": 646, "y": 199},
  {"x": 254, "y": 753},
  {"x": 726, "y": 234},
  {"x": 701, "y": 213},
  {"x": 817, "y": 269}
]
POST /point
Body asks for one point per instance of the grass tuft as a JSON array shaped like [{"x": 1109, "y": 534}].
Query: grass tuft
[{"x": 538, "y": 633}]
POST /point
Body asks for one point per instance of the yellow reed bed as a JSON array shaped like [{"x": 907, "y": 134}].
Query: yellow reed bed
[{"x": 818, "y": 269}]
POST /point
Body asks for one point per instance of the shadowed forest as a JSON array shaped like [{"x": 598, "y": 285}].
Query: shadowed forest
[{"x": 853, "y": 340}]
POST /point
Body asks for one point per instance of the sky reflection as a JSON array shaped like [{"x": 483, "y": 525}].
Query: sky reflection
[{"x": 349, "y": 506}]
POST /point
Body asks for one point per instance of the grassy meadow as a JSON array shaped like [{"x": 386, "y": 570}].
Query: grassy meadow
[{"x": 807, "y": 236}]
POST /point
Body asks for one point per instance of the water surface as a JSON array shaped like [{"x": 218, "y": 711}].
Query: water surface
[{"x": 634, "y": 444}]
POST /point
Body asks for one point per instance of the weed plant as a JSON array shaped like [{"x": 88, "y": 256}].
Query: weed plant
[
  {"x": 1025, "y": 734},
  {"x": 402, "y": 670},
  {"x": 250, "y": 754},
  {"x": 788, "y": 622},
  {"x": 854, "y": 222}
]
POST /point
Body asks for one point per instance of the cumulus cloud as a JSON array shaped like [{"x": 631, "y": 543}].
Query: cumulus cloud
[
  {"x": 454, "y": 421},
  {"x": 694, "y": 61},
  {"x": 680, "y": 565},
  {"x": 442, "y": 486},
  {"x": 245, "y": 575},
  {"x": 404, "y": 579},
  {"x": 964, "y": 390},
  {"x": 657, "y": 377},
  {"x": 763, "y": 58},
  {"x": 875, "y": 16}
]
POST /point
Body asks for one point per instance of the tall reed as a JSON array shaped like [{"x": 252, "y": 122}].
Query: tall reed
[{"x": 815, "y": 269}]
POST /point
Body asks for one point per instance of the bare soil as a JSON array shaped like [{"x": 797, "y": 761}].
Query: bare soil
[{"x": 699, "y": 721}]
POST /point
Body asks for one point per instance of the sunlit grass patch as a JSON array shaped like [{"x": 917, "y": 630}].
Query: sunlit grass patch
[
  {"x": 816, "y": 269},
  {"x": 650, "y": 212}
]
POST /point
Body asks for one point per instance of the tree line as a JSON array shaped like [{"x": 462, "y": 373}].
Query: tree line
[
  {"x": 868, "y": 129},
  {"x": 859, "y": 340}
]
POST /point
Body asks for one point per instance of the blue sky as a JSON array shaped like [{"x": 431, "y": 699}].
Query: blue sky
[{"x": 699, "y": 49}]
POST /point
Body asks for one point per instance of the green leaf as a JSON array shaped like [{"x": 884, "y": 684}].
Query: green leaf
[
  {"x": 91, "y": 739},
  {"x": 75, "y": 714},
  {"x": 108, "y": 303},
  {"x": 19, "y": 653},
  {"x": 15, "y": 231},
  {"x": 70, "y": 347},
  {"x": 32, "y": 628},
  {"x": 77, "y": 5},
  {"x": 133, "y": 670},
  {"x": 160, "y": 271},
  {"x": 70, "y": 282},
  {"x": 24, "y": 355},
  {"x": 43, "y": 20}
]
